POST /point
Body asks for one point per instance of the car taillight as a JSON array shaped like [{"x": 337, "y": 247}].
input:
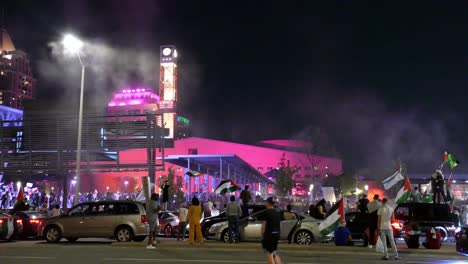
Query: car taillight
[
  {"x": 144, "y": 219},
  {"x": 34, "y": 221},
  {"x": 1, "y": 221},
  {"x": 19, "y": 222},
  {"x": 397, "y": 225}
]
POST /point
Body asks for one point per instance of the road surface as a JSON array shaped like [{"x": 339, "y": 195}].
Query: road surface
[{"x": 106, "y": 252}]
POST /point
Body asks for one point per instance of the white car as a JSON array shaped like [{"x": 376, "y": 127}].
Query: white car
[{"x": 303, "y": 230}]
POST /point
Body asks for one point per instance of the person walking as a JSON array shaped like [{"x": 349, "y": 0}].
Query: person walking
[
  {"x": 385, "y": 217},
  {"x": 372, "y": 207},
  {"x": 193, "y": 218},
  {"x": 246, "y": 197},
  {"x": 183, "y": 211},
  {"x": 233, "y": 212},
  {"x": 165, "y": 194},
  {"x": 152, "y": 210},
  {"x": 271, "y": 232}
]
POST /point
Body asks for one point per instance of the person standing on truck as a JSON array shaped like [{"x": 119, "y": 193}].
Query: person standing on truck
[{"x": 246, "y": 197}]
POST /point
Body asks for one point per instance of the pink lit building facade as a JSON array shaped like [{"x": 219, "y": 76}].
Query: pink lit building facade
[{"x": 263, "y": 159}]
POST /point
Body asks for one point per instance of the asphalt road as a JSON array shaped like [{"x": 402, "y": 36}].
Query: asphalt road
[{"x": 105, "y": 252}]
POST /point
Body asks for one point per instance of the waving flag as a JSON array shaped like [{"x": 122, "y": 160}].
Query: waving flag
[
  {"x": 333, "y": 218},
  {"x": 404, "y": 193},
  {"x": 392, "y": 180},
  {"x": 227, "y": 186},
  {"x": 452, "y": 161}
]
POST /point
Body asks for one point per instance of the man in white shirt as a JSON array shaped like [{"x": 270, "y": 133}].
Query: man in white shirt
[
  {"x": 214, "y": 210},
  {"x": 385, "y": 214},
  {"x": 183, "y": 211}
]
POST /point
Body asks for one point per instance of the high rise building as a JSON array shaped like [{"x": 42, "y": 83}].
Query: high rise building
[
  {"x": 168, "y": 87},
  {"x": 16, "y": 79}
]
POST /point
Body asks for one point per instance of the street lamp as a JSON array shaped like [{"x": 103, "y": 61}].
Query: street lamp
[{"x": 74, "y": 46}]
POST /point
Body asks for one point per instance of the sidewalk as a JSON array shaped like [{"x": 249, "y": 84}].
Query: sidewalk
[{"x": 327, "y": 248}]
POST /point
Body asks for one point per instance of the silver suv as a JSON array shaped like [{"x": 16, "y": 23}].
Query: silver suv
[{"x": 124, "y": 220}]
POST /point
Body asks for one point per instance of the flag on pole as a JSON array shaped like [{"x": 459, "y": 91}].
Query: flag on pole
[
  {"x": 392, "y": 180},
  {"x": 333, "y": 218},
  {"x": 20, "y": 196},
  {"x": 404, "y": 193},
  {"x": 445, "y": 157},
  {"x": 227, "y": 186},
  {"x": 193, "y": 173},
  {"x": 452, "y": 161}
]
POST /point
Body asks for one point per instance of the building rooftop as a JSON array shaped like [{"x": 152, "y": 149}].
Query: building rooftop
[{"x": 6, "y": 44}]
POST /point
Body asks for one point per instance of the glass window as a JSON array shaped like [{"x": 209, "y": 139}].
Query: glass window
[
  {"x": 79, "y": 210},
  {"x": 127, "y": 208},
  {"x": 402, "y": 213}
]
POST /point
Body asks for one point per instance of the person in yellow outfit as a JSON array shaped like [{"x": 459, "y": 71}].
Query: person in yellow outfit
[{"x": 193, "y": 218}]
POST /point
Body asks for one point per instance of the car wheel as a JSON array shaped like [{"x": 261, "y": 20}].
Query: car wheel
[
  {"x": 443, "y": 233},
  {"x": 139, "y": 238},
  {"x": 225, "y": 236},
  {"x": 53, "y": 234},
  {"x": 71, "y": 239},
  {"x": 304, "y": 237},
  {"x": 124, "y": 234},
  {"x": 168, "y": 231}
]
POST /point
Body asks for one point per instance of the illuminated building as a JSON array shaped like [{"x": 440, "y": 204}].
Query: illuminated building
[
  {"x": 134, "y": 101},
  {"x": 182, "y": 128},
  {"x": 168, "y": 86},
  {"x": 16, "y": 79}
]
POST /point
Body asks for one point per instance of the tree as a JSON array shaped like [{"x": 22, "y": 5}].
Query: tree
[{"x": 284, "y": 179}]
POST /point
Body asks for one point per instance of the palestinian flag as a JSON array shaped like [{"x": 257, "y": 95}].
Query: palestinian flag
[
  {"x": 193, "y": 173},
  {"x": 404, "y": 193},
  {"x": 452, "y": 161},
  {"x": 392, "y": 180},
  {"x": 227, "y": 186},
  {"x": 333, "y": 218},
  {"x": 20, "y": 196},
  {"x": 445, "y": 157}
]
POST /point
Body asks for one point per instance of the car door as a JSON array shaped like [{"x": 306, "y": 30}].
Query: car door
[
  {"x": 287, "y": 225},
  {"x": 74, "y": 224},
  {"x": 253, "y": 230},
  {"x": 100, "y": 220}
]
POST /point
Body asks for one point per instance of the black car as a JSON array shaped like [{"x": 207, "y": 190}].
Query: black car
[
  {"x": 462, "y": 241},
  {"x": 209, "y": 221},
  {"x": 30, "y": 221},
  {"x": 426, "y": 215},
  {"x": 357, "y": 223}
]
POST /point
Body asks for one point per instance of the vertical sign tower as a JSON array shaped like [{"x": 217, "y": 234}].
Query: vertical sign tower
[{"x": 168, "y": 86}]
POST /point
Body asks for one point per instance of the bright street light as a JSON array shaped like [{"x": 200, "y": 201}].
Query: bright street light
[
  {"x": 74, "y": 45},
  {"x": 18, "y": 185}
]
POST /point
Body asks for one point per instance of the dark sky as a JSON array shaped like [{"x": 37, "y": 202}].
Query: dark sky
[{"x": 384, "y": 80}]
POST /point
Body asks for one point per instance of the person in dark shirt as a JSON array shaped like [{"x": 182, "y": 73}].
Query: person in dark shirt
[
  {"x": 165, "y": 195},
  {"x": 271, "y": 232}
]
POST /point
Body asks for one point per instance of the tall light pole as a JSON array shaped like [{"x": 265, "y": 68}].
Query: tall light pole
[{"x": 74, "y": 46}]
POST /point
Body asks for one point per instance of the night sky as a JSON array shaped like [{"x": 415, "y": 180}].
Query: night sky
[{"x": 384, "y": 81}]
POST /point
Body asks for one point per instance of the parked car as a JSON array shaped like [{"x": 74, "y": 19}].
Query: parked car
[
  {"x": 303, "y": 230},
  {"x": 30, "y": 221},
  {"x": 123, "y": 220},
  {"x": 426, "y": 215},
  {"x": 7, "y": 227},
  {"x": 210, "y": 221},
  {"x": 168, "y": 223},
  {"x": 461, "y": 239},
  {"x": 357, "y": 223}
]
